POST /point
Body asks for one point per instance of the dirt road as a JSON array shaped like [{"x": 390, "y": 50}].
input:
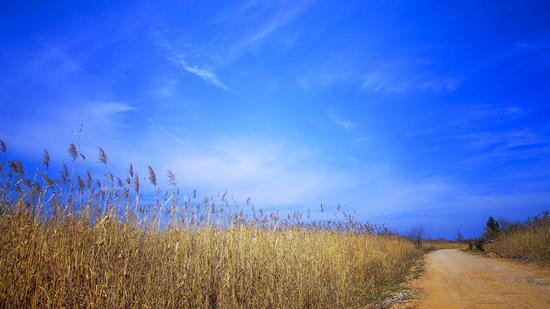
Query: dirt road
[{"x": 455, "y": 279}]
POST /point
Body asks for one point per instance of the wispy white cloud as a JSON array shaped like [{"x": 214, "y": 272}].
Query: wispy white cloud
[
  {"x": 487, "y": 134},
  {"x": 325, "y": 79},
  {"x": 361, "y": 140},
  {"x": 177, "y": 57},
  {"x": 538, "y": 46},
  {"x": 48, "y": 62},
  {"x": 484, "y": 115},
  {"x": 490, "y": 133},
  {"x": 251, "y": 23},
  {"x": 106, "y": 111},
  {"x": 507, "y": 139},
  {"x": 259, "y": 20},
  {"x": 267, "y": 171},
  {"x": 167, "y": 132},
  {"x": 164, "y": 88},
  {"x": 339, "y": 121},
  {"x": 203, "y": 73},
  {"x": 512, "y": 145},
  {"x": 276, "y": 21},
  {"x": 387, "y": 81},
  {"x": 391, "y": 194}
]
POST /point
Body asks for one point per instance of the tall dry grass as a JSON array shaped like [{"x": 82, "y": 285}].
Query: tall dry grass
[
  {"x": 78, "y": 241},
  {"x": 439, "y": 244},
  {"x": 529, "y": 240}
]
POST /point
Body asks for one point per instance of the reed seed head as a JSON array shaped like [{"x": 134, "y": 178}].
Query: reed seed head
[
  {"x": 152, "y": 176},
  {"x": 171, "y": 177},
  {"x": 72, "y": 151},
  {"x": 136, "y": 183},
  {"x": 102, "y": 156},
  {"x": 131, "y": 170},
  {"x": 46, "y": 159},
  {"x": 89, "y": 179},
  {"x": 65, "y": 173}
]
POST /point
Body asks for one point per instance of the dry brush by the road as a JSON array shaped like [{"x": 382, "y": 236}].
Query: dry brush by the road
[{"x": 529, "y": 240}]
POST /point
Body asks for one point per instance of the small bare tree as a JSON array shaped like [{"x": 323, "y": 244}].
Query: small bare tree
[
  {"x": 459, "y": 237},
  {"x": 416, "y": 235}
]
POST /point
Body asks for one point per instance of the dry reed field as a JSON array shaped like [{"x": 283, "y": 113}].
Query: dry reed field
[
  {"x": 443, "y": 244},
  {"x": 529, "y": 240},
  {"x": 75, "y": 240}
]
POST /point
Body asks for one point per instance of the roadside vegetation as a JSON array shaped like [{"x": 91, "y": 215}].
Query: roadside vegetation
[
  {"x": 528, "y": 240},
  {"x": 73, "y": 239},
  {"x": 417, "y": 236},
  {"x": 432, "y": 245}
]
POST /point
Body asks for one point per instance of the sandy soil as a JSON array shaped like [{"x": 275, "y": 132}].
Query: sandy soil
[{"x": 455, "y": 279}]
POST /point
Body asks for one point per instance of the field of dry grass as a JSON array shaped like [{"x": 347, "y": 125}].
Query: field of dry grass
[
  {"x": 529, "y": 240},
  {"x": 443, "y": 244},
  {"x": 80, "y": 241}
]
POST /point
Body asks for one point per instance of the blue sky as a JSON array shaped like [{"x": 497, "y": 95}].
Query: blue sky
[{"x": 408, "y": 112}]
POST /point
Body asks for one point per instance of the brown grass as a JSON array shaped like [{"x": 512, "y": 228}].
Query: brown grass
[
  {"x": 443, "y": 244},
  {"x": 82, "y": 242},
  {"x": 529, "y": 240}
]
